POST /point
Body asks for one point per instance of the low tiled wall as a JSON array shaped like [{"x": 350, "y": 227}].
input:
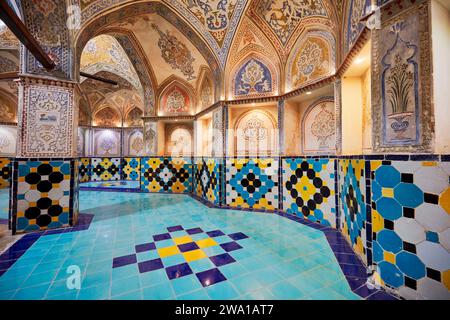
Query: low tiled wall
[
  {"x": 393, "y": 209},
  {"x": 166, "y": 174},
  {"x": 5, "y": 173},
  {"x": 207, "y": 176}
]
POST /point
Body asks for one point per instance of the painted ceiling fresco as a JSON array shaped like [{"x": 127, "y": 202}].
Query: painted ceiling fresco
[
  {"x": 104, "y": 53},
  {"x": 168, "y": 50},
  {"x": 7, "y": 38}
]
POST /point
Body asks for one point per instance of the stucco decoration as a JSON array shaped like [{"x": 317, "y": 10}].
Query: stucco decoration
[
  {"x": 47, "y": 22},
  {"x": 104, "y": 53},
  {"x": 80, "y": 142},
  {"x": 150, "y": 138},
  {"x": 313, "y": 59},
  {"x": 9, "y": 61},
  {"x": 254, "y": 77},
  {"x": 175, "y": 53},
  {"x": 107, "y": 142},
  {"x": 356, "y": 10},
  {"x": 135, "y": 143},
  {"x": 401, "y": 85},
  {"x": 282, "y": 21},
  {"x": 319, "y": 127},
  {"x": 46, "y": 121},
  {"x": 8, "y": 107},
  {"x": 218, "y": 132},
  {"x": 175, "y": 100},
  {"x": 8, "y": 140},
  {"x": 7, "y": 39},
  {"x": 179, "y": 141},
  {"x": 107, "y": 117},
  {"x": 134, "y": 118},
  {"x": 255, "y": 133},
  {"x": 206, "y": 93}
]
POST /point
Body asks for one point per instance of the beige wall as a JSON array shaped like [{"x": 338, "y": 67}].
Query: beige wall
[
  {"x": 292, "y": 129},
  {"x": 366, "y": 99},
  {"x": 352, "y": 116},
  {"x": 441, "y": 71}
]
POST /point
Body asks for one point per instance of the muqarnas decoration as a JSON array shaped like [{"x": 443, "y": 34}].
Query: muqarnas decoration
[
  {"x": 252, "y": 183},
  {"x": 400, "y": 83},
  {"x": 166, "y": 175}
]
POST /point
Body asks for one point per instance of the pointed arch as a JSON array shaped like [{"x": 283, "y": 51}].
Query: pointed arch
[
  {"x": 254, "y": 76},
  {"x": 206, "y": 90},
  {"x": 176, "y": 96}
]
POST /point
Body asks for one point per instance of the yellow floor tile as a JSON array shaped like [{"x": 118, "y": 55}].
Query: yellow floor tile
[
  {"x": 168, "y": 251},
  {"x": 205, "y": 243},
  {"x": 194, "y": 255},
  {"x": 182, "y": 240}
]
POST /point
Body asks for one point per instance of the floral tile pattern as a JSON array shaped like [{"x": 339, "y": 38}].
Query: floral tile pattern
[
  {"x": 84, "y": 169},
  {"x": 105, "y": 169},
  {"x": 131, "y": 169},
  {"x": 309, "y": 189}
]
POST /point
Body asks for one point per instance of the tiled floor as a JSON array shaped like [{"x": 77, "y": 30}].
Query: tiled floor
[
  {"x": 152, "y": 246},
  {"x": 111, "y": 184}
]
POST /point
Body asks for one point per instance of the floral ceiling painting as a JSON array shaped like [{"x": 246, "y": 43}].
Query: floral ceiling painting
[
  {"x": 319, "y": 127},
  {"x": 175, "y": 101},
  {"x": 134, "y": 118},
  {"x": 107, "y": 117},
  {"x": 104, "y": 53},
  {"x": 254, "y": 78},
  {"x": 312, "y": 59}
]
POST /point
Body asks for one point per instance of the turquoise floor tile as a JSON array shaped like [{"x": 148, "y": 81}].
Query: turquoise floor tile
[
  {"x": 185, "y": 284},
  {"x": 201, "y": 265},
  {"x": 326, "y": 294},
  {"x": 162, "y": 291},
  {"x": 222, "y": 291},
  {"x": 100, "y": 292},
  {"x": 125, "y": 285},
  {"x": 135, "y": 295},
  {"x": 285, "y": 291},
  {"x": 173, "y": 260},
  {"x": 269, "y": 259},
  {"x": 233, "y": 270},
  {"x": 246, "y": 283},
  {"x": 32, "y": 293},
  {"x": 195, "y": 295},
  {"x": 267, "y": 276}
]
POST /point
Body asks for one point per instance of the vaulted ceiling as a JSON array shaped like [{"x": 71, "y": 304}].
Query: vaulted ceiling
[{"x": 171, "y": 52}]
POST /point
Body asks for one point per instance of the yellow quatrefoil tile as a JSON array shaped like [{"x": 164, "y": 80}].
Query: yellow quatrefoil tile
[
  {"x": 182, "y": 240},
  {"x": 205, "y": 243},
  {"x": 168, "y": 251},
  {"x": 194, "y": 255}
]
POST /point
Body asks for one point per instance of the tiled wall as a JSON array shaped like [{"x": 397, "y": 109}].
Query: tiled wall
[
  {"x": 166, "y": 174},
  {"x": 5, "y": 172},
  {"x": 309, "y": 189},
  {"x": 131, "y": 169},
  {"x": 252, "y": 183},
  {"x": 352, "y": 204},
  {"x": 207, "y": 179},
  {"x": 44, "y": 193},
  {"x": 84, "y": 169},
  {"x": 105, "y": 169},
  {"x": 411, "y": 226}
]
